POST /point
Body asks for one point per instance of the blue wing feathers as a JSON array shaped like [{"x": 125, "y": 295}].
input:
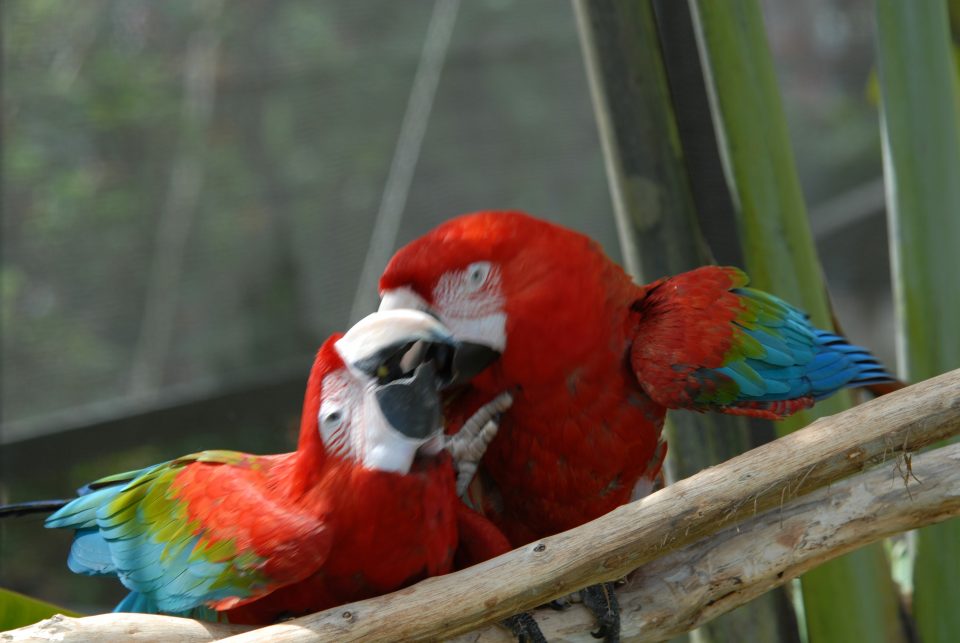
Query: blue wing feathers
[
  {"x": 143, "y": 604},
  {"x": 137, "y": 602},
  {"x": 797, "y": 360},
  {"x": 113, "y": 519},
  {"x": 90, "y": 554},
  {"x": 82, "y": 512}
]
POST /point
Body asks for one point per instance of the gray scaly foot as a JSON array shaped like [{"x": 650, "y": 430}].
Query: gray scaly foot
[{"x": 471, "y": 441}]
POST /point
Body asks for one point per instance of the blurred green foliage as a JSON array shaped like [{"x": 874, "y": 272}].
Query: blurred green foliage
[
  {"x": 307, "y": 97},
  {"x": 853, "y": 595},
  {"x": 100, "y": 109},
  {"x": 921, "y": 120},
  {"x": 17, "y": 610}
]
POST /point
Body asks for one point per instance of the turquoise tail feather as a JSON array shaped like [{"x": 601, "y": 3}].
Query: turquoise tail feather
[
  {"x": 136, "y": 602},
  {"x": 782, "y": 356}
]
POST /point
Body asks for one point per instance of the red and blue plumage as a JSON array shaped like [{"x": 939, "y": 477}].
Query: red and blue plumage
[
  {"x": 221, "y": 535},
  {"x": 712, "y": 343},
  {"x": 250, "y": 539},
  {"x": 594, "y": 360},
  {"x": 204, "y": 531}
]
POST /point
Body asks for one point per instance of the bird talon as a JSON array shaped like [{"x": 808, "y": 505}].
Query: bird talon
[
  {"x": 602, "y": 602},
  {"x": 525, "y": 628},
  {"x": 469, "y": 444}
]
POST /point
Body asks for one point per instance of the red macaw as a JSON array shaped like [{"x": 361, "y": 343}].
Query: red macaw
[
  {"x": 365, "y": 505},
  {"x": 594, "y": 360}
]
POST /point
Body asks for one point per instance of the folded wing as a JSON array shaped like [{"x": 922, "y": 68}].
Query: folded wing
[
  {"x": 705, "y": 341},
  {"x": 203, "y": 531}
]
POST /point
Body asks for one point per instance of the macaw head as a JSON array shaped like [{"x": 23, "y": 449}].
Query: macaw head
[
  {"x": 374, "y": 392},
  {"x": 496, "y": 280}
]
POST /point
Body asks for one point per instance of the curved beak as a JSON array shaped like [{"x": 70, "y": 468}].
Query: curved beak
[
  {"x": 407, "y": 357},
  {"x": 470, "y": 356},
  {"x": 469, "y": 359},
  {"x": 380, "y": 336},
  {"x": 411, "y": 405}
]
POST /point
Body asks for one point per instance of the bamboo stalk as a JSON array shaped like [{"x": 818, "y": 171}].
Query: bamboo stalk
[
  {"x": 657, "y": 221},
  {"x": 853, "y": 597},
  {"x": 651, "y": 195},
  {"x": 920, "y": 124},
  {"x": 758, "y": 156},
  {"x": 710, "y": 503}
]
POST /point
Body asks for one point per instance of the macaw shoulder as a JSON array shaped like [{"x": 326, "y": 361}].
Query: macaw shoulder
[
  {"x": 695, "y": 288},
  {"x": 223, "y": 486}
]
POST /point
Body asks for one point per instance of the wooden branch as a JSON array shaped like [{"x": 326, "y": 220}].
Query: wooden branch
[
  {"x": 117, "y": 628},
  {"x": 626, "y": 538},
  {"x": 708, "y": 503},
  {"x": 690, "y": 586}
]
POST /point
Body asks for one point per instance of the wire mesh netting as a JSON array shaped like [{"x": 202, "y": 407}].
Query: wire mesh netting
[
  {"x": 191, "y": 188},
  {"x": 195, "y": 194},
  {"x": 190, "y": 191}
]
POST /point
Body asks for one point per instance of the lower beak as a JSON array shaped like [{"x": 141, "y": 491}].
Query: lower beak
[{"x": 412, "y": 405}]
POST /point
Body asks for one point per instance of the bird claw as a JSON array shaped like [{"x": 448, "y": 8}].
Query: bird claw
[
  {"x": 558, "y": 605},
  {"x": 525, "y": 628},
  {"x": 601, "y": 600},
  {"x": 469, "y": 444}
]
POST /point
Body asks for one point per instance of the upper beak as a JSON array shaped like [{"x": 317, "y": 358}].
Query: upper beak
[
  {"x": 380, "y": 331},
  {"x": 469, "y": 358}
]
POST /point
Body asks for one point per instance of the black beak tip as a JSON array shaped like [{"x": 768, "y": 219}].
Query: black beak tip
[
  {"x": 412, "y": 405},
  {"x": 469, "y": 360}
]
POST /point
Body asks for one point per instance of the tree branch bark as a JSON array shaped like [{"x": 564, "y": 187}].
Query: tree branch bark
[
  {"x": 690, "y": 586},
  {"x": 117, "y": 628},
  {"x": 661, "y": 532}
]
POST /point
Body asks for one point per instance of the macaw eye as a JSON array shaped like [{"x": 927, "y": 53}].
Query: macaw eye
[
  {"x": 477, "y": 274},
  {"x": 333, "y": 427},
  {"x": 331, "y": 420}
]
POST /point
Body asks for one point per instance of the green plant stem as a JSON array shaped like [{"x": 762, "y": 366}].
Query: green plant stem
[
  {"x": 780, "y": 257},
  {"x": 921, "y": 152},
  {"x": 657, "y": 221}
]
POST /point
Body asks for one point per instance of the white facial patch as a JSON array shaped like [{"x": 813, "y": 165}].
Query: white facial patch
[
  {"x": 385, "y": 448},
  {"x": 471, "y": 314},
  {"x": 353, "y": 427},
  {"x": 470, "y": 302},
  {"x": 341, "y": 393},
  {"x": 350, "y": 420}
]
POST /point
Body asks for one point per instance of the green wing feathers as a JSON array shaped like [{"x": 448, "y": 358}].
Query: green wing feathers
[
  {"x": 202, "y": 530},
  {"x": 708, "y": 342}
]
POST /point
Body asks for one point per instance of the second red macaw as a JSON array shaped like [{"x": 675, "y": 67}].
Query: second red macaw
[
  {"x": 594, "y": 360},
  {"x": 365, "y": 505}
]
